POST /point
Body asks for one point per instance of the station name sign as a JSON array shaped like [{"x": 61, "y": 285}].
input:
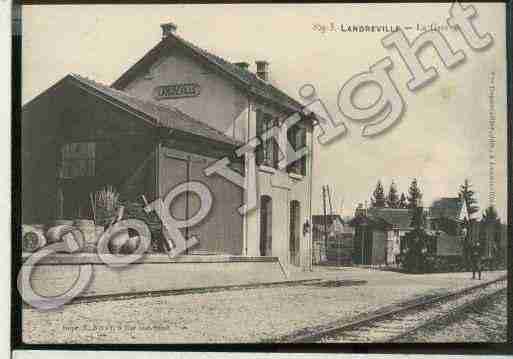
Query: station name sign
[{"x": 176, "y": 91}]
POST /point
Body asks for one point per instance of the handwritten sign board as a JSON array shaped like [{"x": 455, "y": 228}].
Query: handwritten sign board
[{"x": 176, "y": 91}]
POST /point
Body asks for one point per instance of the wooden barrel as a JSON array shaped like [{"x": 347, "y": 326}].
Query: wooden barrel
[
  {"x": 89, "y": 230},
  {"x": 118, "y": 241},
  {"x": 33, "y": 237},
  {"x": 92, "y": 247},
  {"x": 74, "y": 240},
  {"x": 56, "y": 233},
  {"x": 131, "y": 245}
]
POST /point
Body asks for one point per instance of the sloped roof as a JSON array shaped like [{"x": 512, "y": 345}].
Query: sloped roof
[
  {"x": 246, "y": 78},
  {"x": 318, "y": 219},
  {"x": 369, "y": 221},
  {"x": 397, "y": 217},
  {"x": 159, "y": 115},
  {"x": 335, "y": 224},
  {"x": 446, "y": 207}
]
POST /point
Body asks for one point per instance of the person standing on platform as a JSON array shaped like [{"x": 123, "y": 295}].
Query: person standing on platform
[{"x": 476, "y": 259}]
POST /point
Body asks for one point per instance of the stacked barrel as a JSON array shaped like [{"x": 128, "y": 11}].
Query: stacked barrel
[{"x": 84, "y": 232}]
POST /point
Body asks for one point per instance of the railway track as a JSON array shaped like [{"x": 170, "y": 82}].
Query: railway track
[
  {"x": 481, "y": 320},
  {"x": 404, "y": 320}
]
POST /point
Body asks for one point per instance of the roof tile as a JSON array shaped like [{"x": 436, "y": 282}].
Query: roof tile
[{"x": 162, "y": 115}]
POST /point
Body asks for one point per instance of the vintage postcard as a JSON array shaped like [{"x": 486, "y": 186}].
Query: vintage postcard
[{"x": 263, "y": 173}]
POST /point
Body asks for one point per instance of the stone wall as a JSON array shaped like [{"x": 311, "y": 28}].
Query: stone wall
[{"x": 155, "y": 272}]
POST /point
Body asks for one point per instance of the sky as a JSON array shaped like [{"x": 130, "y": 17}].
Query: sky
[{"x": 441, "y": 139}]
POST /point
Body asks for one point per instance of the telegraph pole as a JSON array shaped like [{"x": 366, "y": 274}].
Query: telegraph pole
[{"x": 325, "y": 223}]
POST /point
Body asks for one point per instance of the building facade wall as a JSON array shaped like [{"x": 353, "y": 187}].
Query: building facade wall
[
  {"x": 73, "y": 116},
  {"x": 379, "y": 240},
  {"x": 221, "y": 230},
  {"x": 232, "y": 111},
  {"x": 283, "y": 188},
  {"x": 219, "y": 103}
]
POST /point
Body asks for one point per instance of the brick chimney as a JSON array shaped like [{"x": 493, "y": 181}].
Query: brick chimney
[
  {"x": 262, "y": 70},
  {"x": 242, "y": 65},
  {"x": 168, "y": 28}
]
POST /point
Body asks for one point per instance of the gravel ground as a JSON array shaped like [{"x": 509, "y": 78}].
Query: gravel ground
[
  {"x": 386, "y": 329},
  {"x": 242, "y": 316},
  {"x": 485, "y": 324}
]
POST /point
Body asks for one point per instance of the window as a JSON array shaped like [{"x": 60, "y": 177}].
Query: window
[
  {"x": 267, "y": 152},
  {"x": 297, "y": 138},
  {"x": 77, "y": 160}
]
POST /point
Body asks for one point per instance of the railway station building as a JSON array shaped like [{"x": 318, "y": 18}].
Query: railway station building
[{"x": 168, "y": 117}]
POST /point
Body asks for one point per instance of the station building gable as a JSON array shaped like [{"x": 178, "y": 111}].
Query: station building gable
[{"x": 204, "y": 85}]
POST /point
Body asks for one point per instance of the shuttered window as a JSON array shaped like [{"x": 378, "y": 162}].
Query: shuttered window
[
  {"x": 259, "y": 131},
  {"x": 267, "y": 153},
  {"x": 297, "y": 138},
  {"x": 78, "y": 160}
]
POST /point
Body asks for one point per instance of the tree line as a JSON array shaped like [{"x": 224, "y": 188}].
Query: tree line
[
  {"x": 419, "y": 250},
  {"x": 392, "y": 198},
  {"x": 414, "y": 199}
]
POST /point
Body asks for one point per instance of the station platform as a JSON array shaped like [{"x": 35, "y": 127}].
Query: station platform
[{"x": 247, "y": 315}]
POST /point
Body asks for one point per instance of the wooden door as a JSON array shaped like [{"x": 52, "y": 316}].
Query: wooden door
[
  {"x": 266, "y": 226},
  {"x": 294, "y": 232}
]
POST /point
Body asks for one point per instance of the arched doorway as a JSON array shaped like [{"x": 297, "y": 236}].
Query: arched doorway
[
  {"x": 266, "y": 225},
  {"x": 295, "y": 212}
]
